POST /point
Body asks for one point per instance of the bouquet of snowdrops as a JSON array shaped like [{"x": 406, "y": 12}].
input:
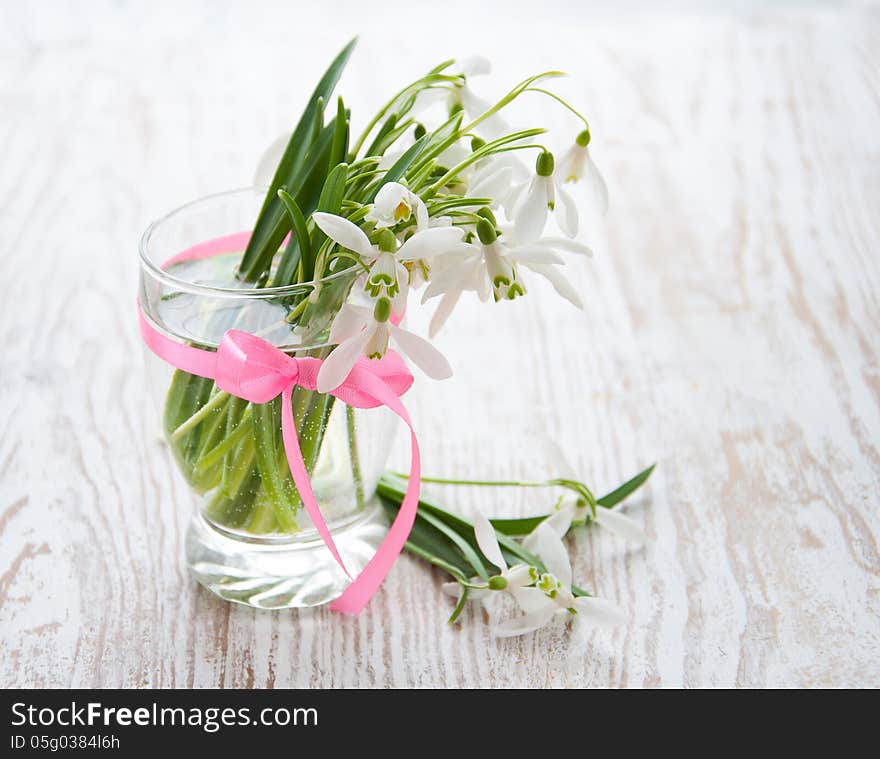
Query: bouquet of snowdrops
[{"x": 451, "y": 208}]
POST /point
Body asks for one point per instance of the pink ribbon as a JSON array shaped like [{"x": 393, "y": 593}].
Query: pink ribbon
[{"x": 248, "y": 367}]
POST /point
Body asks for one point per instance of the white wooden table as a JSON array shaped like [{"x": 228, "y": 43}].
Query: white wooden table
[{"x": 731, "y": 334}]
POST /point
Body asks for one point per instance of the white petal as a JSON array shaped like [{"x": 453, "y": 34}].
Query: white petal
[
  {"x": 559, "y": 281},
  {"x": 519, "y": 577},
  {"x": 598, "y": 611},
  {"x": 424, "y": 355},
  {"x": 422, "y": 220},
  {"x": 451, "y": 589},
  {"x": 345, "y": 233},
  {"x": 570, "y": 246},
  {"x": 566, "y": 212},
  {"x": 454, "y": 589},
  {"x": 551, "y": 550},
  {"x": 348, "y": 322},
  {"x": 494, "y": 184},
  {"x": 621, "y": 525},
  {"x": 537, "y": 253},
  {"x": 429, "y": 242},
  {"x": 525, "y": 624},
  {"x": 269, "y": 161},
  {"x": 531, "y": 215},
  {"x": 567, "y": 167},
  {"x": 513, "y": 199},
  {"x": 531, "y": 600},
  {"x": 597, "y": 185},
  {"x": 560, "y": 521},
  {"x": 338, "y": 365},
  {"x": 475, "y": 65},
  {"x": 444, "y": 309},
  {"x": 487, "y": 540}
]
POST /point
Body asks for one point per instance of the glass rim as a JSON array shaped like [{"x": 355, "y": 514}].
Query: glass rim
[{"x": 158, "y": 272}]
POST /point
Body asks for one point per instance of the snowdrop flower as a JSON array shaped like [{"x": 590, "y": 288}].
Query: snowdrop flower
[
  {"x": 395, "y": 203},
  {"x": 357, "y": 331},
  {"x": 551, "y": 598},
  {"x": 576, "y": 165},
  {"x": 509, "y": 579},
  {"x": 542, "y": 195},
  {"x": 463, "y": 97},
  {"x": 492, "y": 267},
  {"x": 388, "y": 276},
  {"x": 574, "y": 511}
]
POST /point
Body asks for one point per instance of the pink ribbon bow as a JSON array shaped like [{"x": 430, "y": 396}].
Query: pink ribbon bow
[{"x": 248, "y": 367}]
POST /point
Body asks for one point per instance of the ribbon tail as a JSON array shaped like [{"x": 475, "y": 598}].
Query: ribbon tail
[
  {"x": 301, "y": 476},
  {"x": 356, "y": 595}
]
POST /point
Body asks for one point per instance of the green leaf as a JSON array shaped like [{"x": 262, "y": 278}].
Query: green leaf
[
  {"x": 624, "y": 491},
  {"x": 339, "y": 148},
  {"x": 299, "y": 246},
  {"x": 387, "y": 127},
  {"x": 265, "y": 238},
  {"x": 468, "y": 551},
  {"x": 399, "y": 168}
]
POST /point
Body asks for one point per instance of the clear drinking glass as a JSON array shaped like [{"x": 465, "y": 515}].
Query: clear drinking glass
[{"x": 250, "y": 540}]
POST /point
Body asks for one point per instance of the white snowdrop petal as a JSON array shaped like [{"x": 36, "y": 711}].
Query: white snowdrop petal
[
  {"x": 559, "y": 281},
  {"x": 560, "y": 521},
  {"x": 599, "y": 612},
  {"x": 338, "y": 365},
  {"x": 530, "y": 600},
  {"x": 621, "y": 524},
  {"x": 597, "y": 185},
  {"x": 487, "y": 540},
  {"x": 475, "y": 65},
  {"x": 348, "y": 322},
  {"x": 422, "y": 220},
  {"x": 424, "y": 355},
  {"x": 537, "y": 253},
  {"x": 495, "y": 184},
  {"x": 444, "y": 309},
  {"x": 345, "y": 233},
  {"x": 531, "y": 214},
  {"x": 566, "y": 212},
  {"x": 551, "y": 550},
  {"x": 269, "y": 161},
  {"x": 429, "y": 242},
  {"x": 570, "y": 246},
  {"x": 525, "y": 624}
]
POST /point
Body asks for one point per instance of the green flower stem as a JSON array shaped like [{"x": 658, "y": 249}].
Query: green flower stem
[
  {"x": 353, "y": 457},
  {"x": 212, "y": 405},
  {"x": 265, "y": 423}
]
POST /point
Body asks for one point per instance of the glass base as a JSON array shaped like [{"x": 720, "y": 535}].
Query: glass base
[{"x": 272, "y": 574}]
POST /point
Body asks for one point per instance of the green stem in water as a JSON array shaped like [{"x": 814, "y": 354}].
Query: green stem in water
[{"x": 353, "y": 457}]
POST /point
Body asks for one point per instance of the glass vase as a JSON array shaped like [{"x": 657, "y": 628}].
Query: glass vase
[{"x": 250, "y": 540}]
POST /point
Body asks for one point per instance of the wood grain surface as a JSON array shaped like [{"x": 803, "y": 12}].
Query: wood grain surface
[{"x": 731, "y": 334}]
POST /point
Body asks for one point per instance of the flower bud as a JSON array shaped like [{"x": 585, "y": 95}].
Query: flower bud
[
  {"x": 486, "y": 213},
  {"x": 419, "y": 131},
  {"x": 497, "y": 583},
  {"x": 382, "y": 310},
  {"x": 583, "y": 139},
  {"x": 545, "y": 164},
  {"x": 477, "y": 143},
  {"x": 387, "y": 241},
  {"x": 486, "y": 231}
]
